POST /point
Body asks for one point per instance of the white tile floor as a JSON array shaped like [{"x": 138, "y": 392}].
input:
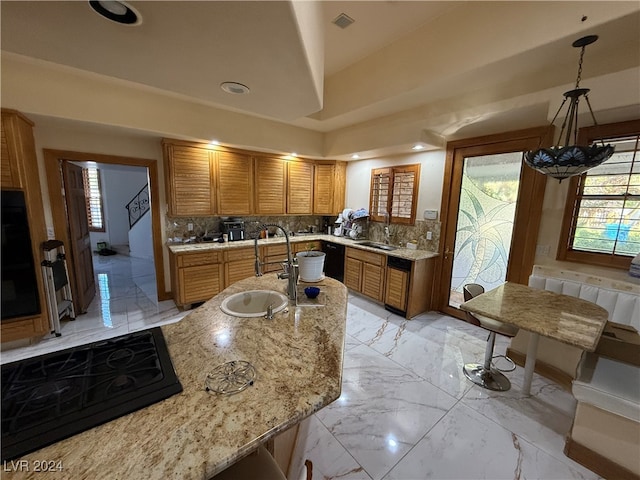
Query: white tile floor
[{"x": 406, "y": 410}]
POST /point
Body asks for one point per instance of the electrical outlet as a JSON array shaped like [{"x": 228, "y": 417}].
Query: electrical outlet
[
  {"x": 190, "y": 227},
  {"x": 542, "y": 249},
  {"x": 51, "y": 234},
  {"x": 429, "y": 235}
]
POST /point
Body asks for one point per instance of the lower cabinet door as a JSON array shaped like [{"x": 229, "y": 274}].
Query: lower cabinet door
[
  {"x": 396, "y": 289},
  {"x": 352, "y": 273},
  {"x": 200, "y": 283},
  {"x": 238, "y": 270},
  {"x": 372, "y": 281}
]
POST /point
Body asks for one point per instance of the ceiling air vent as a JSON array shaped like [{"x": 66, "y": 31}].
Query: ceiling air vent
[{"x": 343, "y": 20}]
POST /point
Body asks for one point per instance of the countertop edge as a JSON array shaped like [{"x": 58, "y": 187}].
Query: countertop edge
[{"x": 399, "y": 252}]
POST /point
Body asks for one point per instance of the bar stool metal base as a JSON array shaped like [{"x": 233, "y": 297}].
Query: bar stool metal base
[{"x": 490, "y": 379}]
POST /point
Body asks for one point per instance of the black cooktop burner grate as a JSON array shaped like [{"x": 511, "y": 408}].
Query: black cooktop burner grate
[{"x": 54, "y": 396}]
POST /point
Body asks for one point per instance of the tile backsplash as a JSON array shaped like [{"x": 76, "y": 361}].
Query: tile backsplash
[
  {"x": 401, "y": 234},
  {"x": 177, "y": 228}
]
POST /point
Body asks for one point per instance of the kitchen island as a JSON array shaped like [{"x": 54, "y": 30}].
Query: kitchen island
[{"x": 196, "y": 434}]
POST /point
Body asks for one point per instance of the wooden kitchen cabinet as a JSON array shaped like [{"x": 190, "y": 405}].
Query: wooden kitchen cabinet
[
  {"x": 14, "y": 127},
  {"x": 410, "y": 291},
  {"x": 19, "y": 171},
  {"x": 329, "y": 181},
  {"x": 190, "y": 180},
  {"x": 364, "y": 272},
  {"x": 300, "y": 187},
  {"x": 323, "y": 188},
  {"x": 270, "y": 186},
  {"x": 196, "y": 276},
  {"x": 234, "y": 176},
  {"x": 239, "y": 264},
  {"x": 396, "y": 293}
]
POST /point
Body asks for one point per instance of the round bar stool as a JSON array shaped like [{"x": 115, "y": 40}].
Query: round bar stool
[{"x": 484, "y": 374}]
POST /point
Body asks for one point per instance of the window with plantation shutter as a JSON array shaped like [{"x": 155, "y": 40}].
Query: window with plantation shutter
[
  {"x": 602, "y": 214},
  {"x": 394, "y": 192},
  {"x": 93, "y": 199}
]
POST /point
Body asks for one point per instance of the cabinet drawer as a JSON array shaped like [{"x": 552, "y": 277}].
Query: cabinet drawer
[
  {"x": 193, "y": 259},
  {"x": 303, "y": 246},
  {"x": 280, "y": 249},
  {"x": 239, "y": 254},
  {"x": 367, "y": 257}
]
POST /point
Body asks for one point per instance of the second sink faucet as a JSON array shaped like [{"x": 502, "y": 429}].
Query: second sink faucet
[
  {"x": 387, "y": 221},
  {"x": 291, "y": 270}
]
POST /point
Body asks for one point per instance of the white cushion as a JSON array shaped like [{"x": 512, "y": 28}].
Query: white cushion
[
  {"x": 622, "y": 307},
  {"x": 609, "y": 385}
]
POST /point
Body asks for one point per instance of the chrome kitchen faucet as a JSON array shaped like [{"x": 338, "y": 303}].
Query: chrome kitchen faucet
[{"x": 290, "y": 267}]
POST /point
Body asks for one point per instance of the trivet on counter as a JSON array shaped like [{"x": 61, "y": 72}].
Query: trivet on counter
[{"x": 231, "y": 377}]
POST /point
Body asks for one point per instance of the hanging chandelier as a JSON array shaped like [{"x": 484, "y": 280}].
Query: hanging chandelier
[{"x": 567, "y": 158}]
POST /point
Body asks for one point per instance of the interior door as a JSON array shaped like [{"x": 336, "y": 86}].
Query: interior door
[
  {"x": 494, "y": 205},
  {"x": 80, "y": 248}
]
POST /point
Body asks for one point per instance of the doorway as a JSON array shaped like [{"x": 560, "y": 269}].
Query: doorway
[
  {"x": 54, "y": 162},
  {"x": 492, "y": 205}
]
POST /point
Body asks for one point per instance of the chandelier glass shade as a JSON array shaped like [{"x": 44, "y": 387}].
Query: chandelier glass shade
[{"x": 567, "y": 158}]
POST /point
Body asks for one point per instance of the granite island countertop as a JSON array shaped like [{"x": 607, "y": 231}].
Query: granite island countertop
[
  {"x": 207, "y": 246},
  {"x": 196, "y": 434}
]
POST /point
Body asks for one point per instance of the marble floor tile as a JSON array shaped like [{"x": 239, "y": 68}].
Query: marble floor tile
[
  {"x": 437, "y": 358},
  {"x": 383, "y": 410},
  {"x": 330, "y": 460},
  {"x": 543, "y": 418},
  {"x": 466, "y": 445}
]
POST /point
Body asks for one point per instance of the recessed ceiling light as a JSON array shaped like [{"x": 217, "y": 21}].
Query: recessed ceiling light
[
  {"x": 118, "y": 12},
  {"x": 355, "y": 156},
  {"x": 234, "y": 88},
  {"x": 417, "y": 146},
  {"x": 214, "y": 142},
  {"x": 294, "y": 154}
]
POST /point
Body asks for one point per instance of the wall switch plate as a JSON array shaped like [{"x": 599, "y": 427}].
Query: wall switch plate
[
  {"x": 51, "y": 234},
  {"x": 429, "y": 235}
]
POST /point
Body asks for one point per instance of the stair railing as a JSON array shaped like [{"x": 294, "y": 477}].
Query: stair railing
[{"x": 138, "y": 206}]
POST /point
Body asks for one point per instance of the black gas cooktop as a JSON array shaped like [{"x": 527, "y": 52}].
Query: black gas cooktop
[{"x": 54, "y": 396}]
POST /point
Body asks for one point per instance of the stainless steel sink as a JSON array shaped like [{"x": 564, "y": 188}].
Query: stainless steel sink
[{"x": 381, "y": 246}]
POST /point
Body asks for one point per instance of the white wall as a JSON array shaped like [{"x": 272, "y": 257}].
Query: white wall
[
  {"x": 431, "y": 174},
  {"x": 119, "y": 184},
  {"x": 140, "y": 238}
]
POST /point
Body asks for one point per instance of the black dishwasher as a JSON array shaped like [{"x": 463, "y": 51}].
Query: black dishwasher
[{"x": 334, "y": 261}]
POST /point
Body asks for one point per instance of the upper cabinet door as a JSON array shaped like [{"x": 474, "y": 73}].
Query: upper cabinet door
[
  {"x": 234, "y": 178},
  {"x": 323, "y": 188},
  {"x": 190, "y": 181},
  {"x": 10, "y": 154},
  {"x": 300, "y": 187},
  {"x": 270, "y": 186}
]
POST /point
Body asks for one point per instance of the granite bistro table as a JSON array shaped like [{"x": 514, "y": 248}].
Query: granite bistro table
[
  {"x": 570, "y": 320},
  {"x": 196, "y": 434}
]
